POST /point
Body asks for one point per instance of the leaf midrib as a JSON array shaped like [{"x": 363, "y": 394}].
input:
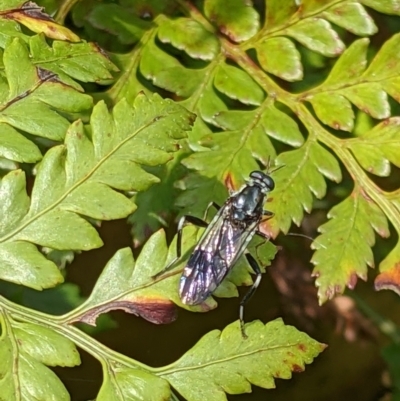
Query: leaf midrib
[
  {"x": 79, "y": 182},
  {"x": 226, "y": 359}
]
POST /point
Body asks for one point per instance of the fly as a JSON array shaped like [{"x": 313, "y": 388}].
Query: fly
[{"x": 224, "y": 241}]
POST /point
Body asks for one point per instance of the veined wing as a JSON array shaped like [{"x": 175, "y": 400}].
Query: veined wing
[{"x": 218, "y": 250}]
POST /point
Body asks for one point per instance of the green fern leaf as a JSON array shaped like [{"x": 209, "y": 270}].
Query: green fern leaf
[
  {"x": 122, "y": 384},
  {"x": 325, "y": 102},
  {"x": 119, "y": 287},
  {"x": 38, "y": 82},
  {"x": 302, "y": 175},
  {"x": 379, "y": 147},
  {"x": 344, "y": 247},
  {"x": 30, "y": 347},
  {"x": 285, "y": 64},
  {"x": 242, "y": 110},
  {"x": 35, "y": 19},
  {"x": 239, "y": 22},
  {"x": 238, "y": 85},
  {"x": 353, "y": 17},
  {"x": 317, "y": 35},
  {"x": 225, "y": 363},
  {"x": 129, "y": 285},
  {"x": 80, "y": 178},
  {"x": 384, "y": 6},
  {"x": 84, "y": 62},
  {"x": 27, "y": 95},
  {"x": 366, "y": 88},
  {"x": 278, "y": 13},
  {"x": 191, "y": 37}
]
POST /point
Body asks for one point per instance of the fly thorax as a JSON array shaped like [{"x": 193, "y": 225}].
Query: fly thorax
[{"x": 247, "y": 203}]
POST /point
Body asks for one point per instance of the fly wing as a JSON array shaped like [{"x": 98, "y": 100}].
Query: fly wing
[
  {"x": 200, "y": 277},
  {"x": 218, "y": 250}
]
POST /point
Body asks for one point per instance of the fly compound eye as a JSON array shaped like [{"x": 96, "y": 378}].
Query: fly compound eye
[
  {"x": 263, "y": 180},
  {"x": 257, "y": 175},
  {"x": 269, "y": 182}
]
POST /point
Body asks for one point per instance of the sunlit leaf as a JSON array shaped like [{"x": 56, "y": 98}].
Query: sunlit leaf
[
  {"x": 33, "y": 17},
  {"x": 280, "y": 126},
  {"x": 240, "y": 21},
  {"x": 190, "y": 36},
  {"x": 83, "y": 61},
  {"x": 237, "y": 84},
  {"x": 280, "y": 57},
  {"x": 79, "y": 179},
  {"x": 317, "y": 35},
  {"x": 386, "y": 62},
  {"x": 278, "y": 12},
  {"x": 301, "y": 177},
  {"x": 168, "y": 73},
  {"x": 369, "y": 98},
  {"x": 315, "y": 6},
  {"x": 31, "y": 378},
  {"x": 384, "y": 6},
  {"x": 29, "y": 102},
  {"x": 350, "y": 65},
  {"x": 337, "y": 265},
  {"x": 353, "y": 17},
  {"x": 226, "y": 363},
  {"x": 45, "y": 345},
  {"x": 116, "y": 288},
  {"x": 122, "y": 384},
  {"x": 376, "y": 148},
  {"x": 334, "y": 110}
]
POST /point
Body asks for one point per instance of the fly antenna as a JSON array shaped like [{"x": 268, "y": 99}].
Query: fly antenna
[
  {"x": 269, "y": 166},
  {"x": 301, "y": 235},
  {"x": 277, "y": 168},
  {"x": 304, "y": 236}
]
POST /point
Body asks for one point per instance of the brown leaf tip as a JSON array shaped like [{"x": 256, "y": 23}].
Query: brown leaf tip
[
  {"x": 32, "y": 10},
  {"x": 389, "y": 279},
  {"x": 302, "y": 347},
  {"x": 46, "y": 75},
  {"x": 157, "y": 311},
  {"x": 352, "y": 281},
  {"x": 230, "y": 182},
  {"x": 297, "y": 368}
]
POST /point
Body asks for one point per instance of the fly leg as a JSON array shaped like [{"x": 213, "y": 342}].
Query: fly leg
[
  {"x": 262, "y": 235},
  {"x": 215, "y": 205},
  {"x": 182, "y": 222},
  {"x": 254, "y": 265},
  {"x": 267, "y": 214},
  {"x": 256, "y": 268}
]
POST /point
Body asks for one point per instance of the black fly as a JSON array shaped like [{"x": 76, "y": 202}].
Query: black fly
[{"x": 224, "y": 241}]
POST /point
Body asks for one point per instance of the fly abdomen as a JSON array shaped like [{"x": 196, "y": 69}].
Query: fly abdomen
[{"x": 200, "y": 277}]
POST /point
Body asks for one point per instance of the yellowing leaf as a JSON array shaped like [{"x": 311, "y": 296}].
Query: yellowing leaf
[{"x": 344, "y": 246}]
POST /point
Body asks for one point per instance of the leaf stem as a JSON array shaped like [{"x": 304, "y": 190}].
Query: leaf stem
[
  {"x": 74, "y": 186},
  {"x": 64, "y": 10},
  {"x": 81, "y": 339},
  {"x": 354, "y": 169},
  {"x": 337, "y": 145}
]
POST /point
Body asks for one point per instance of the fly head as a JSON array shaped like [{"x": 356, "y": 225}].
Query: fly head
[
  {"x": 247, "y": 204},
  {"x": 262, "y": 180}
]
